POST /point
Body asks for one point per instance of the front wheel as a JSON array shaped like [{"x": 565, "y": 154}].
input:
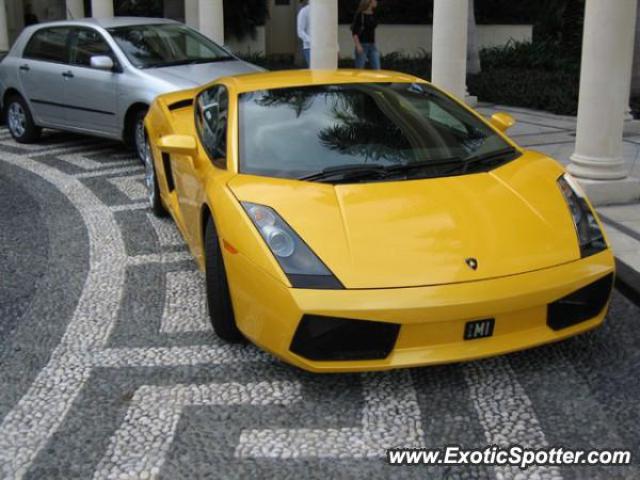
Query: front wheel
[
  {"x": 20, "y": 121},
  {"x": 218, "y": 297}
]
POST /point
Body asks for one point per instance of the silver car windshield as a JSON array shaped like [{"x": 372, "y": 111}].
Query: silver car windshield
[{"x": 165, "y": 45}]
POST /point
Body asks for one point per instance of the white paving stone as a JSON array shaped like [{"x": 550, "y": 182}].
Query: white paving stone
[
  {"x": 506, "y": 413},
  {"x": 82, "y": 160},
  {"x": 28, "y": 426},
  {"x": 185, "y": 305},
  {"x": 131, "y": 186},
  {"x": 129, "y": 207},
  {"x": 166, "y": 231},
  {"x": 131, "y": 169},
  {"x": 144, "y": 438},
  {"x": 390, "y": 418},
  {"x": 214, "y": 354},
  {"x": 167, "y": 257}
]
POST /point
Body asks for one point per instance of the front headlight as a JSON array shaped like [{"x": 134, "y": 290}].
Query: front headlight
[
  {"x": 590, "y": 237},
  {"x": 303, "y": 267}
]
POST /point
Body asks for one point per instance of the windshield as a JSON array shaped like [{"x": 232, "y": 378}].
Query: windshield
[
  {"x": 164, "y": 45},
  {"x": 300, "y": 132}
]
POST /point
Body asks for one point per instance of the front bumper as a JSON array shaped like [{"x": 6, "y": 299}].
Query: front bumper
[{"x": 432, "y": 319}]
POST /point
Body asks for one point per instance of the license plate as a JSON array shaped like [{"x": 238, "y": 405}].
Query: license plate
[{"x": 479, "y": 329}]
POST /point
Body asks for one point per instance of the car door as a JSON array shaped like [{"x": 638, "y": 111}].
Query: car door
[
  {"x": 211, "y": 118},
  {"x": 42, "y": 74},
  {"x": 91, "y": 93}
]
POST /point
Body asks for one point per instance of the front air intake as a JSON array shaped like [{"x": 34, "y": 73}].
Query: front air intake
[
  {"x": 581, "y": 305},
  {"x": 328, "y": 338}
]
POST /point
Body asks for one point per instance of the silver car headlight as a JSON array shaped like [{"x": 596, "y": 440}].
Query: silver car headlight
[
  {"x": 590, "y": 237},
  {"x": 303, "y": 267}
]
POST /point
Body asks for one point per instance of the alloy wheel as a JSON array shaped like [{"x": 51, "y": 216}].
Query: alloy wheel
[{"x": 17, "y": 119}]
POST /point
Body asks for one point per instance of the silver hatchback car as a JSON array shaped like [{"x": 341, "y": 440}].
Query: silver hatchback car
[{"x": 99, "y": 76}]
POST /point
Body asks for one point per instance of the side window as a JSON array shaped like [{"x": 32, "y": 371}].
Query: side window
[
  {"x": 86, "y": 43},
  {"x": 49, "y": 45},
  {"x": 212, "y": 112}
]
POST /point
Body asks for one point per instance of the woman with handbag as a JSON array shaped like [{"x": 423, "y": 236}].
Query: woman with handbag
[{"x": 364, "y": 35}]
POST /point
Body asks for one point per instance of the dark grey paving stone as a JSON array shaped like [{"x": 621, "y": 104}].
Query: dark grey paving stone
[{"x": 43, "y": 266}]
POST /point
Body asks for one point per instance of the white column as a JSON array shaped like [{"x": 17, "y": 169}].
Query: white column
[
  {"x": 206, "y": 16},
  {"x": 449, "y": 64},
  {"x": 4, "y": 27},
  {"x": 191, "y": 13},
  {"x": 75, "y": 9},
  {"x": 101, "y": 8},
  {"x": 211, "y": 16},
  {"x": 607, "y": 55},
  {"x": 324, "y": 34}
]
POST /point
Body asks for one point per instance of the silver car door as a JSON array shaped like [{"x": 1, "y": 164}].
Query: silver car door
[
  {"x": 42, "y": 74},
  {"x": 91, "y": 93}
]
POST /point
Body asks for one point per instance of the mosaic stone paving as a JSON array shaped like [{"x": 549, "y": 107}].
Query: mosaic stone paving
[{"x": 109, "y": 368}]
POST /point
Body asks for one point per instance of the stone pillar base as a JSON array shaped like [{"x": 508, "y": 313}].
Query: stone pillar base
[
  {"x": 612, "y": 192},
  {"x": 597, "y": 168}
]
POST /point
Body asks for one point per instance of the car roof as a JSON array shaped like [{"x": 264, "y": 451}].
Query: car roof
[
  {"x": 294, "y": 78},
  {"x": 108, "y": 22}
]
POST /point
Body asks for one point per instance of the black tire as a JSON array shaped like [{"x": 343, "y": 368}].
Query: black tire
[
  {"x": 151, "y": 181},
  {"x": 218, "y": 297},
  {"x": 137, "y": 137},
  {"x": 20, "y": 121}
]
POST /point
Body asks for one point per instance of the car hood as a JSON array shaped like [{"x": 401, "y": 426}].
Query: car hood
[
  {"x": 189, "y": 76},
  {"x": 422, "y": 232}
]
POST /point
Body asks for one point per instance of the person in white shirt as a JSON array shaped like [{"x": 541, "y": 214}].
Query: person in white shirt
[{"x": 304, "y": 31}]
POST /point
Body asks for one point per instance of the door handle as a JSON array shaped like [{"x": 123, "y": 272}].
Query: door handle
[
  {"x": 68, "y": 74},
  {"x": 25, "y": 67}
]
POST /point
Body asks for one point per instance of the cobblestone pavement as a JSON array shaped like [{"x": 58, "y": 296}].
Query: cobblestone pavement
[{"x": 109, "y": 369}]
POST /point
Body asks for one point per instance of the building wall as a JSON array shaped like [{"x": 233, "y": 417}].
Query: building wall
[
  {"x": 48, "y": 10},
  {"x": 15, "y": 19}
]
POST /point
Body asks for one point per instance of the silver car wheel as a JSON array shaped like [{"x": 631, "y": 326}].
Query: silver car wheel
[
  {"x": 149, "y": 173},
  {"x": 141, "y": 140},
  {"x": 17, "y": 119}
]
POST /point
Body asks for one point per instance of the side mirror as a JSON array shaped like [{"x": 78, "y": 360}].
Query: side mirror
[
  {"x": 502, "y": 121},
  {"x": 102, "y": 62},
  {"x": 178, "y": 145}
]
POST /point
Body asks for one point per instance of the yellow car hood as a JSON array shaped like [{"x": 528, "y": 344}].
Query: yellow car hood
[{"x": 421, "y": 232}]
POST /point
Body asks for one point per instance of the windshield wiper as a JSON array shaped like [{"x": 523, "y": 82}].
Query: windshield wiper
[
  {"x": 211, "y": 60},
  {"x": 347, "y": 172},
  {"x": 189, "y": 61},
  {"x": 490, "y": 158},
  {"x": 363, "y": 171},
  {"x": 407, "y": 167}
]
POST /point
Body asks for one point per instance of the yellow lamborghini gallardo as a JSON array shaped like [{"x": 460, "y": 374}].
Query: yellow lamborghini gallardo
[{"x": 355, "y": 220}]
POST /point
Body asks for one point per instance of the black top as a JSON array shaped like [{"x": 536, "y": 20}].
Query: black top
[{"x": 364, "y": 26}]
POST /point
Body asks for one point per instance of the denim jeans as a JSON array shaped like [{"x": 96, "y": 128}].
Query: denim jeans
[
  {"x": 307, "y": 56},
  {"x": 370, "y": 52}
]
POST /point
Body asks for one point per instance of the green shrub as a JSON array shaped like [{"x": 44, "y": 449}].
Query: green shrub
[
  {"x": 556, "y": 92},
  {"x": 271, "y": 62},
  {"x": 543, "y": 55},
  {"x": 418, "y": 64}
]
